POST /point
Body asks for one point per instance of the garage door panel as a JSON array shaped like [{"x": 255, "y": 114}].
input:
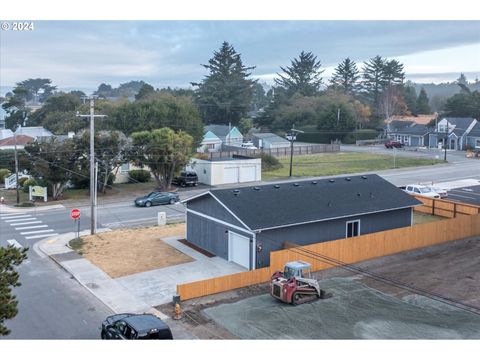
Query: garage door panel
[
  {"x": 231, "y": 175},
  {"x": 239, "y": 249},
  {"x": 247, "y": 173}
]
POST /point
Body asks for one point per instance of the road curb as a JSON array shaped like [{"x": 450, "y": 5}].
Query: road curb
[{"x": 64, "y": 239}]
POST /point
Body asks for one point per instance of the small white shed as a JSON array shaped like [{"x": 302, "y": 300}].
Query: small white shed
[{"x": 228, "y": 170}]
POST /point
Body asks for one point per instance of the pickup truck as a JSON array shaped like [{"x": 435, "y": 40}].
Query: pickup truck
[
  {"x": 186, "y": 178},
  {"x": 422, "y": 190},
  {"x": 390, "y": 144}
]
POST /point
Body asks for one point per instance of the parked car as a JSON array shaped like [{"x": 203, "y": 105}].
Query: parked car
[
  {"x": 248, "y": 145},
  {"x": 390, "y": 144},
  {"x": 442, "y": 192},
  {"x": 135, "y": 327},
  {"x": 421, "y": 190},
  {"x": 186, "y": 178},
  {"x": 157, "y": 198}
]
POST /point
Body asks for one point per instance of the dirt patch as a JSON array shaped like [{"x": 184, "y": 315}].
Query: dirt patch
[{"x": 126, "y": 252}]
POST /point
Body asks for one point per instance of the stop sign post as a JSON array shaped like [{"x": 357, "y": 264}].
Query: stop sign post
[{"x": 75, "y": 215}]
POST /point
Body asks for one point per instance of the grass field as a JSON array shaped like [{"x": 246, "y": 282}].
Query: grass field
[{"x": 342, "y": 163}]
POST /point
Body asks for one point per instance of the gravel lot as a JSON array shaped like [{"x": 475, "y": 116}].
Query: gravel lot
[{"x": 361, "y": 308}]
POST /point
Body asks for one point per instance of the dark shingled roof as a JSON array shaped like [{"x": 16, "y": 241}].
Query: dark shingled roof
[
  {"x": 284, "y": 204},
  {"x": 460, "y": 123},
  {"x": 414, "y": 130},
  {"x": 476, "y": 130}
]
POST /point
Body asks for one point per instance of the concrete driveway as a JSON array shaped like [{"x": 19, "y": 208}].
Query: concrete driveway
[{"x": 157, "y": 287}]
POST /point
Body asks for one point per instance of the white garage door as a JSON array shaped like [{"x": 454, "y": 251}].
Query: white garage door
[
  {"x": 247, "y": 173},
  {"x": 239, "y": 249},
  {"x": 230, "y": 175}
]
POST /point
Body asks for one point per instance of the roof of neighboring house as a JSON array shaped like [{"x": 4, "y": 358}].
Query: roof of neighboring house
[
  {"x": 416, "y": 129},
  {"x": 475, "y": 131},
  {"x": 423, "y": 119},
  {"x": 210, "y": 136},
  {"x": 295, "y": 203},
  {"x": 20, "y": 140},
  {"x": 272, "y": 138},
  {"x": 460, "y": 123},
  {"x": 220, "y": 130},
  {"x": 33, "y": 131},
  {"x": 395, "y": 125}
]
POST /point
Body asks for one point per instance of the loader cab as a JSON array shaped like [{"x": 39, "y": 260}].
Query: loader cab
[{"x": 298, "y": 269}]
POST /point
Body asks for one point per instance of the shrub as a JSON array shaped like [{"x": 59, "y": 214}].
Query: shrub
[
  {"x": 139, "y": 175},
  {"x": 22, "y": 180},
  {"x": 27, "y": 183},
  {"x": 269, "y": 162},
  {"x": 3, "y": 174},
  {"x": 111, "y": 179},
  {"x": 201, "y": 156}
]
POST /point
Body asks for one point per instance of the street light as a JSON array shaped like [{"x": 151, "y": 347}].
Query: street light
[
  {"x": 93, "y": 183},
  {"x": 292, "y": 136}
]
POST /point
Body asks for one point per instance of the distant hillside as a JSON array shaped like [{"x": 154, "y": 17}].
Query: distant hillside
[{"x": 444, "y": 89}]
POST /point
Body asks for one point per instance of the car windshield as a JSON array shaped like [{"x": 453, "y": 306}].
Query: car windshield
[
  {"x": 425, "y": 190},
  {"x": 151, "y": 194}
]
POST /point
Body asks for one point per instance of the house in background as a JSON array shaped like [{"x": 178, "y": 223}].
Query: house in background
[
  {"x": 19, "y": 140},
  {"x": 269, "y": 141},
  {"x": 34, "y": 131},
  {"x": 5, "y": 133},
  {"x": 244, "y": 225},
  {"x": 210, "y": 143},
  {"x": 411, "y": 135},
  {"x": 228, "y": 135},
  {"x": 455, "y": 130},
  {"x": 473, "y": 137}
]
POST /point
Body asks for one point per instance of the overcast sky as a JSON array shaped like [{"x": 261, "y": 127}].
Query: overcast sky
[{"x": 83, "y": 54}]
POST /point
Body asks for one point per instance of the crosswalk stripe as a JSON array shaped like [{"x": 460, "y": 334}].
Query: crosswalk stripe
[
  {"x": 31, "y": 227},
  {"x": 13, "y": 216},
  {"x": 39, "y": 236},
  {"x": 14, "y": 243},
  {"x": 36, "y": 232},
  {"x": 14, "y": 220},
  {"x": 27, "y": 223}
]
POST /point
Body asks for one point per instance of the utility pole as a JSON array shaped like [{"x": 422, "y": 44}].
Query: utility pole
[
  {"x": 93, "y": 182},
  {"x": 16, "y": 166},
  {"x": 292, "y": 136},
  {"x": 445, "y": 143}
]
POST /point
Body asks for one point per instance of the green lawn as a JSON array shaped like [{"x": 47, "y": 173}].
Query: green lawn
[
  {"x": 422, "y": 218},
  {"x": 341, "y": 163}
]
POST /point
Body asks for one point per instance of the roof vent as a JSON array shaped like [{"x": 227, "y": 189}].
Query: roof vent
[
  {"x": 314, "y": 183},
  {"x": 364, "y": 177},
  {"x": 256, "y": 188},
  {"x": 348, "y": 179},
  {"x": 276, "y": 186},
  {"x": 236, "y": 192},
  {"x": 332, "y": 180},
  {"x": 358, "y": 194},
  {"x": 329, "y": 204},
  {"x": 371, "y": 196},
  {"x": 296, "y": 184}
]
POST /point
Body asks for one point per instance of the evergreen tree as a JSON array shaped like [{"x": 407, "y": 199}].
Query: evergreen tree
[
  {"x": 10, "y": 258},
  {"x": 303, "y": 76},
  {"x": 394, "y": 73},
  {"x": 374, "y": 80},
  {"x": 423, "y": 106},
  {"x": 225, "y": 94},
  {"x": 345, "y": 76},
  {"x": 410, "y": 96},
  {"x": 145, "y": 91}
]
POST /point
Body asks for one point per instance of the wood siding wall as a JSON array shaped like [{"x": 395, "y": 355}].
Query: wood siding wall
[{"x": 348, "y": 250}]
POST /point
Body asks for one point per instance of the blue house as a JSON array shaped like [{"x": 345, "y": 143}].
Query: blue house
[
  {"x": 210, "y": 143},
  {"x": 456, "y": 131},
  {"x": 218, "y": 136}
]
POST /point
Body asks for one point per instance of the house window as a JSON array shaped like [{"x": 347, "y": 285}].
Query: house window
[
  {"x": 353, "y": 228},
  {"x": 125, "y": 167},
  {"x": 210, "y": 146},
  {"x": 477, "y": 143}
]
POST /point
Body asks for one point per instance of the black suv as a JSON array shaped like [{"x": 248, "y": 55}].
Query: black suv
[
  {"x": 135, "y": 327},
  {"x": 186, "y": 178}
]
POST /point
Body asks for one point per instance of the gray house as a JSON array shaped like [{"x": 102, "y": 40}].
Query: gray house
[
  {"x": 473, "y": 137},
  {"x": 456, "y": 130},
  {"x": 412, "y": 135},
  {"x": 269, "y": 141},
  {"x": 244, "y": 225}
]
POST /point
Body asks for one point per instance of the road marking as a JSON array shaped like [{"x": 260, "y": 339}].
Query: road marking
[
  {"x": 469, "y": 190},
  {"x": 27, "y": 223},
  {"x": 13, "y": 216},
  {"x": 35, "y": 232},
  {"x": 39, "y": 236},
  {"x": 14, "y": 220},
  {"x": 14, "y": 243},
  {"x": 31, "y": 227}
]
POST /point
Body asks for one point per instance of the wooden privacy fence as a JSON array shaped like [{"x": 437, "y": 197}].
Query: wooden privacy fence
[
  {"x": 445, "y": 208},
  {"x": 348, "y": 250}
]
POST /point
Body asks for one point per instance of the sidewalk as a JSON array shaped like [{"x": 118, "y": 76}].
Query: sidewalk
[
  {"x": 106, "y": 289},
  {"x": 12, "y": 209}
]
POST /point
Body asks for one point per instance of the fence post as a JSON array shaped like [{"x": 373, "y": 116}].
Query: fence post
[
  {"x": 433, "y": 206},
  {"x": 454, "y": 210}
]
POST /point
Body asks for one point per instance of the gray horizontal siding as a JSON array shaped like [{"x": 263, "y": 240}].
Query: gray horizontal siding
[{"x": 307, "y": 234}]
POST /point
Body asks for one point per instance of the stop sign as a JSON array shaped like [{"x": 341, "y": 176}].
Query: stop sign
[{"x": 75, "y": 214}]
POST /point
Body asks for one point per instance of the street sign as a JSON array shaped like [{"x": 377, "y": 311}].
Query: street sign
[{"x": 75, "y": 214}]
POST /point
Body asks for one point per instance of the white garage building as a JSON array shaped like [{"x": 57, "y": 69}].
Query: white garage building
[{"x": 231, "y": 170}]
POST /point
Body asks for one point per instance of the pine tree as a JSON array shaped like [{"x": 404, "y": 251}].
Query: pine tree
[
  {"x": 225, "y": 94},
  {"x": 410, "y": 96},
  {"x": 423, "y": 106},
  {"x": 345, "y": 76},
  {"x": 302, "y": 76},
  {"x": 10, "y": 257}
]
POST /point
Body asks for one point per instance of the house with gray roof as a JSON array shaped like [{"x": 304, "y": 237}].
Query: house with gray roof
[
  {"x": 229, "y": 135},
  {"x": 473, "y": 137},
  {"x": 412, "y": 134},
  {"x": 33, "y": 131},
  {"x": 454, "y": 131},
  {"x": 269, "y": 141},
  {"x": 244, "y": 225}
]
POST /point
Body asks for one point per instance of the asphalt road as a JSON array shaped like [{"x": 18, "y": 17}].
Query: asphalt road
[{"x": 470, "y": 194}]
